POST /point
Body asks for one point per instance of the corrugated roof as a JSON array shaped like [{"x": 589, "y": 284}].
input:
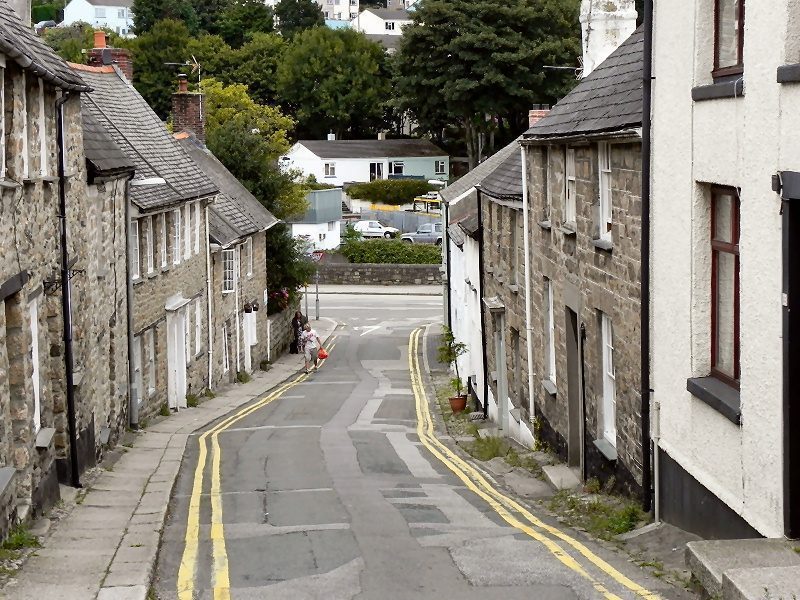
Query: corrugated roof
[
  {"x": 27, "y": 49},
  {"x": 241, "y": 212},
  {"x": 372, "y": 148},
  {"x": 608, "y": 99},
  {"x": 102, "y": 153},
  {"x": 144, "y": 139},
  {"x": 505, "y": 182},
  {"x": 477, "y": 175}
]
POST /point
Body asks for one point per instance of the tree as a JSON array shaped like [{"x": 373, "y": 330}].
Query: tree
[
  {"x": 257, "y": 64},
  {"x": 242, "y": 18},
  {"x": 288, "y": 269},
  {"x": 480, "y": 63},
  {"x": 146, "y": 13},
  {"x": 331, "y": 80},
  {"x": 295, "y": 16},
  {"x": 215, "y": 57},
  {"x": 156, "y": 82},
  {"x": 208, "y": 13}
]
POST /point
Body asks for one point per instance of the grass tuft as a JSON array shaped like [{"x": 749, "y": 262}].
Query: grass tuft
[{"x": 20, "y": 538}]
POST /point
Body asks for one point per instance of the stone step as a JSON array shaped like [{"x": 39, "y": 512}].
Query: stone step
[
  {"x": 758, "y": 584},
  {"x": 562, "y": 477},
  {"x": 489, "y": 432},
  {"x": 709, "y": 560}
]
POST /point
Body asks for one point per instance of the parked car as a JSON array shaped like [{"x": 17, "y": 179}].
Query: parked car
[
  {"x": 430, "y": 233},
  {"x": 375, "y": 229}
]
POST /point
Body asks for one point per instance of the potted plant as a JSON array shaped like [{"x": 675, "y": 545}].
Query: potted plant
[{"x": 449, "y": 351}]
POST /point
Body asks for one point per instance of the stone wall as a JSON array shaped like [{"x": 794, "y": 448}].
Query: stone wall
[
  {"x": 379, "y": 274},
  {"x": 281, "y": 334}
]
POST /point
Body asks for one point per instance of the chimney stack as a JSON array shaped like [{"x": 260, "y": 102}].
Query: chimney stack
[
  {"x": 537, "y": 113},
  {"x": 331, "y": 137},
  {"x": 103, "y": 55},
  {"x": 605, "y": 24},
  {"x": 22, "y": 8},
  {"x": 187, "y": 110}
]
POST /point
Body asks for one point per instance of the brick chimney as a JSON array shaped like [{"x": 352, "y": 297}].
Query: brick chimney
[
  {"x": 537, "y": 113},
  {"x": 187, "y": 110},
  {"x": 102, "y": 55},
  {"x": 605, "y": 24}
]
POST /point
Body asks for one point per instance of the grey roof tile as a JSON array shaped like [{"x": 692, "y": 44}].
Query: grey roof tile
[
  {"x": 372, "y": 148},
  {"x": 608, "y": 99},
  {"x": 20, "y": 43},
  {"x": 102, "y": 153},
  {"x": 505, "y": 182},
  {"x": 144, "y": 139},
  {"x": 477, "y": 175}
]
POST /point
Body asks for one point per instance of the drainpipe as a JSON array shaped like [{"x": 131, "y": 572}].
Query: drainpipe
[
  {"x": 583, "y": 399},
  {"x": 133, "y": 399},
  {"x": 446, "y": 253},
  {"x": 527, "y": 247},
  {"x": 66, "y": 295},
  {"x": 236, "y": 308},
  {"x": 647, "y": 104},
  {"x": 209, "y": 313},
  {"x": 482, "y": 309}
]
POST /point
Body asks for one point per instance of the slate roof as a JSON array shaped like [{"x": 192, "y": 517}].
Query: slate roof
[
  {"x": 608, "y": 99},
  {"x": 120, "y": 3},
  {"x": 390, "y": 14},
  {"x": 479, "y": 173},
  {"x": 238, "y": 212},
  {"x": 389, "y": 42},
  {"x": 103, "y": 156},
  {"x": 144, "y": 139},
  {"x": 372, "y": 148},
  {"x": 505, "y": 182},
  {"x": 27, "y": 49}
]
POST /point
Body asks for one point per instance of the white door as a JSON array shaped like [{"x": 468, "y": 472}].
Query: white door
[{"x": 176, "y": 358}]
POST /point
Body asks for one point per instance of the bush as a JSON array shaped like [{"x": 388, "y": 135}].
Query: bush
[
  {"x": 391, "y": 252},
  {"x": 390, "y": 191}
]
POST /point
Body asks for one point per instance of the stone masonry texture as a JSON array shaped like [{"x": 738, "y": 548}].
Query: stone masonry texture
[{"x": 379, "y": 274}]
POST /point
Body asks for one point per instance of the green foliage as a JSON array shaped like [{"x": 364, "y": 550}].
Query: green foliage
[
  {"x": 208, "y": 393},
  {"x": 20, "y": 538},
  {"x": 243, "y": 18},
  {"x": 463, "y": 60},
  {"x": 215, "y": 56},
  {"x": 390, "y": 252},
  {"x": 390, "y": 191},
  {"x": 601, "y": 515},
  {"x": 70, "y": 42},
  {"x": 487, "y": 448},
  {"x": 295, "y": 16},
  {"x": 46, "y": 12},
  {"x": 147, "y": 13},
  {"x": 288, "y": 268},
  {"x": 257, "y": 64},
  {"x": 164, "y": 411},
  {"x": 331, "y": 80},
  {"x": 165, "y": 42},
  {"x": 243, "y": 377},
  {"x": 192, "y": 400},
  {"x": 448, "y": 352}
]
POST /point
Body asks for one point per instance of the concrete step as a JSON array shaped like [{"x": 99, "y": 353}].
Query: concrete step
[
  {"x": 758, "y": 584},
  {"x": 489, "y": 432},
  {"x": 709, "y": 560},
  {"x": 562, "y": 477}
]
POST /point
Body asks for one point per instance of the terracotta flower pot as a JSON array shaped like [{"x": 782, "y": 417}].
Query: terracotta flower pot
[{"x": 458, "y": 403}]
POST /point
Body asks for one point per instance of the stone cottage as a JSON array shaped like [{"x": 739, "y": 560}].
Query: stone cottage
[
  {"x": 583, "y": 163},
  {"x": 168, "y": 258}
]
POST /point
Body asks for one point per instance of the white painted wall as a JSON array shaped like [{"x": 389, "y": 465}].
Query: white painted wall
[
  {"x": 324, "y": 236},
  {"x": 604, "y": 26},
  {"x": 369, "y": 23},
  {"x": 117, "y": 18},
  {"x": 739, "y": 142}
]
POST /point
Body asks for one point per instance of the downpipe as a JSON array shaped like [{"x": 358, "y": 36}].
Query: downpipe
[
  {"x": 484, "y": 356},
  {"x": 133, "y": 400},
  {"x": 528, "y": 310},
  {"x": 209, "y": 313},
  {"x": 66, "y": 295},
  {"x": 583, "y": 401}
]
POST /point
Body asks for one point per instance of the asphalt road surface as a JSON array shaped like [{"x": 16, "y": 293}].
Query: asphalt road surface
[{"x": 330, "y": 488}]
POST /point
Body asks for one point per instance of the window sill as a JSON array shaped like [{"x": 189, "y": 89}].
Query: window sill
[
  {"x": 49, "y": 179},
  {"x": 152, "y": 274},
  {"x": 490, "y": 269},
  {"x": 724, "y": 89},
  {"x": 7, "y": 183},
  {"x": 138, "y": 280},
  {"x": 514, "y": 288},
  {"x": 568, "y": 229},
  {"x": 549, "y": 387},
  {"x": 44, "y": 438},
  {"x": 545, "y": 224},
  {"x": 228, "y": 291},
  {"x": 718, "y": 395},
  {"x": 606, "y": 448},
  {"x": 493, "y": 376},
  {"x": 789, "y": 73},
  {"x": 601, "y": 244},
  {"x": 165, "y": 268}
]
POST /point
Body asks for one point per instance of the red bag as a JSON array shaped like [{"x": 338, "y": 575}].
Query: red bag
[{"x": 322, "y": 354}]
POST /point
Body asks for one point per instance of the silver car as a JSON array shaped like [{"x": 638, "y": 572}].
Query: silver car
[{"x": 430, "y": 233}]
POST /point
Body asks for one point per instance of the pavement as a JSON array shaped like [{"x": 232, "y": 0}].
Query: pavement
[{"x": 106, "y": 546}]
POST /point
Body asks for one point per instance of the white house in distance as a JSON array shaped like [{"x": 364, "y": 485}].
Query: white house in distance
[
  {"x": 115, "y": 15},
  {"x": 348, "y": 161},
  {"x": 321, "y": 225},
  {"x": 334, "y": 10},
  {"x": 381, "y": 21}
]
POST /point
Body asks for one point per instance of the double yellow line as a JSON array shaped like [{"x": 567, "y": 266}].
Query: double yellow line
[{"x": 511, "y": 511}]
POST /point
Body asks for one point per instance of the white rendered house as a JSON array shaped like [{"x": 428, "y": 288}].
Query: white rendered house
[
  {"x": 321, "y": 225},
  {"x": 381, "y": 21},
  {"x": 115, "y": 15},
  {"x": 336, "y": 10}
]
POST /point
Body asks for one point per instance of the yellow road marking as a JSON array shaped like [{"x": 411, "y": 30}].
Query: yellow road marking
[
  {"x": 501, "y": 503},
  {"x": 186, "y": 572}
]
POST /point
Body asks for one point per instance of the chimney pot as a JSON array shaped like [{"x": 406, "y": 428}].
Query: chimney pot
[
  {"x": 99, "y": 39},
  {"x": 183, "y": 84}
]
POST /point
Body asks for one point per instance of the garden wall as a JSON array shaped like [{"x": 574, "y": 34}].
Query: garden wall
[{"x": 379, "y": 274}]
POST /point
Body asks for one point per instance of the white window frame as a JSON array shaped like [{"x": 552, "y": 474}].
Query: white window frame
[
  {"x": 550, "y": 332},
  {"x": 548, "y": 183},
  {"x": 226, "y": 361},
  {"x": 2, "y": 117},
  {"x": 198, "y": 326},
  {"x": 176, "y": 236},
  {"x": 162, "y": 220},
  {"x": 136, "y": 263},
  {"x": 197, "y": 220},
  {"x": 148, "y": 244},
  {"x": 99, "y": 12},
  {"x": 228, "y": 271},
  {"x": 570, "y": 202},
  {"x": 150, "y": 349},
  {"x": 609, "y": 381},
  {"x": 187, "y": 331},
  {"x": 249, "y": 257},
  {"x": 604, "y": 186},
  {"x": 120, "y": 13},
  {"x": 44, "y": 156},
  {"x": 187, "y": 231},
  {"x": 514, "y": 258},
  {"x": 397, "y": 167},
  {"x": 440, "y": 167},
  {"x": 26, "y": 163},
  {"x": 330, "y": 169},
  {"x": 138, "y": 382},
  {"x": 33, "y": 313}
]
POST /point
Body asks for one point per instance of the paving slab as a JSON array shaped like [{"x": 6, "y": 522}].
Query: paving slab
[
  {"x": 136, "y": 592},
  {"x": 525, "y": 484},
  {"x": 758, "y": 584},
  {"x": 561, "y": 477}
]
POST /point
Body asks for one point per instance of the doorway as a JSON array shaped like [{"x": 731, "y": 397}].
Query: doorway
[
  {"x": 573, "y": 389},
  {"x": 176, "y": 358}
]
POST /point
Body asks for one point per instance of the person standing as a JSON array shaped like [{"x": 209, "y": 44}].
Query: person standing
[
  {"x": 311, "y": 344},
  {"x": 297, "y": 328}
]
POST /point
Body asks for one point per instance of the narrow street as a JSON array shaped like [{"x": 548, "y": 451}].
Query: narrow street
[{"x": 334, "y": 486}]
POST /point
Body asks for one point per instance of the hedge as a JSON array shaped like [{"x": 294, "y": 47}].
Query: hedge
[
  {"x": 390, "y": 191},
  {"x": 391, "y": 252}
]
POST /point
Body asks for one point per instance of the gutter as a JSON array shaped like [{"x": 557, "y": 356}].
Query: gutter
[
  {"x": 528, "y": 310},
  {"x": 66, "y": 296},
  {"x": 632, "y": 132},
  {"x": 647, "y": 105},
  {"x": 482, "y": 308}
]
